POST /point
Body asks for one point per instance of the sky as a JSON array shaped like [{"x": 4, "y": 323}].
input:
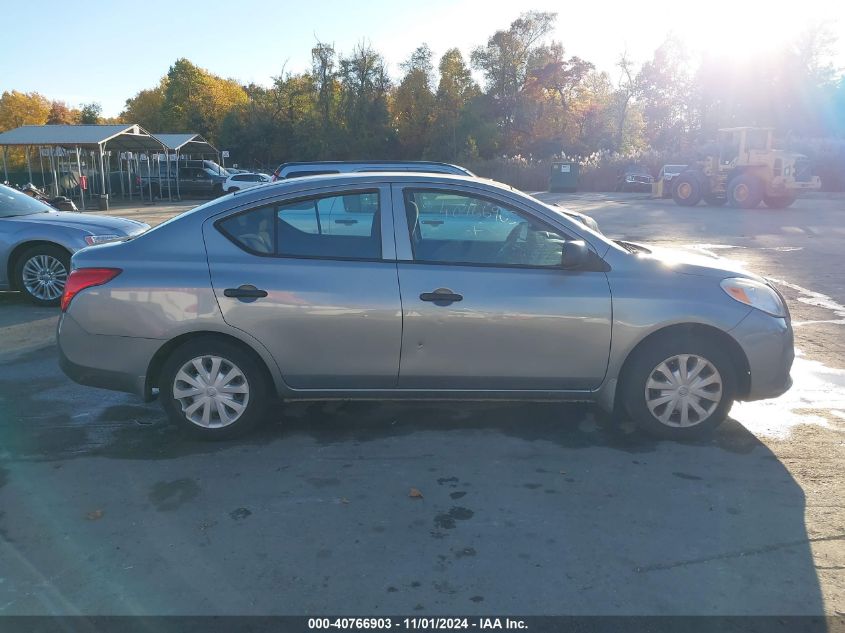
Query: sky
[{"x": 107, "y": 51}]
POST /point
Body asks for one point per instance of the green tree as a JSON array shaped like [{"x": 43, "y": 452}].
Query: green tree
[
  {"x": 504, "y": 60},
  {"x": 454, "y": 92},
  {"x": 197, "y": 101},
  {"x": 90, "y": 114},
  {"x": 545, "y": 114},
  {"x": 662, "y": 87},
  {"x": 146, "y": 108},
  {"x": 326, "y": 99},
  {"x": 363, "y": 108},
  {"x": 413, "y": 103}
]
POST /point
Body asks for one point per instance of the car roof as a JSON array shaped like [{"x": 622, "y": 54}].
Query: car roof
[
  {"x": 318, "y": 181},
  {"x": 321, "y": 164}
]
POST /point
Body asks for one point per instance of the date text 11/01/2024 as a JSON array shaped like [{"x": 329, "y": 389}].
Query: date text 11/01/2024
[{"x": 417, "y": 623}]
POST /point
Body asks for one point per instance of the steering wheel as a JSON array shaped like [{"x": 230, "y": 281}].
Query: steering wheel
[{"x": 509, "y": 247}]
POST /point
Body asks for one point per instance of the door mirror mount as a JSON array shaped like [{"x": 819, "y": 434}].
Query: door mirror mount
[{"x": 575, "y": 254}]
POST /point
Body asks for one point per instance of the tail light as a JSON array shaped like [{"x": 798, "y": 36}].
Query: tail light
[{"x": 83, "y": 278}]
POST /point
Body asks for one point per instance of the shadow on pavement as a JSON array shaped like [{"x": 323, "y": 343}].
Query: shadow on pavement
[{"x": 526, "y": 508}]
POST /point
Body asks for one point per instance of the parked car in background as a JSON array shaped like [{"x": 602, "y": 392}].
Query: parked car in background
[
  {"x": 316, "y": 168},
  {"x": 244, "y": 180},
  {"x": 635, "y": 179},
  {"x": 197, "y": 179},
  {"x": 36, "y": 243},
  {"x": 666, "y": 175},
  {"x": 415, "y": 286}
]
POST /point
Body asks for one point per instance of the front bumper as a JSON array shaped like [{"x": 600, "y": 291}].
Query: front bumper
[
  {"x": 769, "y": 347},
  {"x": 118, "y": 363}
]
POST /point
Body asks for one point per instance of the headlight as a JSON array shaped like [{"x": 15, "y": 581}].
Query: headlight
[
  {"x": 754, "y": 294},
  {"x": 101, "y": 239}
]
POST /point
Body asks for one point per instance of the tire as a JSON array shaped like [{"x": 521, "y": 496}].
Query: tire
[
  {"x": 232, "y": 190},
  {"x": 712, "y": 200},
  {"x": 686, "y": 190},
  {"x": 248, "y": 395},
  {"x": 41, "y": 273},
  {"x": 779, "y": 202},
  {"x": 745, "y": 192},
  {"x": 217, "y": 190},
  {"x": 156, "y": 192},
  {"x": 645, "y": 368}
]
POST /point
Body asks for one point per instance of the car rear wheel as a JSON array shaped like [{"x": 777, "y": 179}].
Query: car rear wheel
[
  {"x": 41, "y": 273},
  {"x": 679, "y": 389},
  {"x": 213, "y": 389}
]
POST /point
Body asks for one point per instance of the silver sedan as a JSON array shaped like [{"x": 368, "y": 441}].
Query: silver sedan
[
  {"x": 36, "y": 243},
  {"x": 415, "y": 286}
]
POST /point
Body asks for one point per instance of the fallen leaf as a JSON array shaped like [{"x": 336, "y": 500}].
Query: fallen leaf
[
  {"x": 95, "y": 515},
  {"x": 416, "y": 494}
]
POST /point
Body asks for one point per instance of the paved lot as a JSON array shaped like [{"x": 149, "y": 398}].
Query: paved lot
[{"x": 528, "y": 509}]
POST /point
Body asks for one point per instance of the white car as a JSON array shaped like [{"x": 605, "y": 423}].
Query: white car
[{"x": 236, "y": 182}]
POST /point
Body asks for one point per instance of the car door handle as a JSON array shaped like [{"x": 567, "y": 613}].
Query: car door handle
[
  {"x": 346, "y": 222},
  {"x": 245, "y": 292},
  {"x": 441, "y": 296}
]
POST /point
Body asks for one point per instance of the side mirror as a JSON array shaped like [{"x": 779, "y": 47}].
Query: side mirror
[{"x": 575, "y": 254}]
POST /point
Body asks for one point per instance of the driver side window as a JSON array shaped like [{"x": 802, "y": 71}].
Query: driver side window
[{"x": 449, "y": 227}]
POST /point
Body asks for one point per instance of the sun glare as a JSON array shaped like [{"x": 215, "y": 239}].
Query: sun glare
[{"x": 750, "y": 32}]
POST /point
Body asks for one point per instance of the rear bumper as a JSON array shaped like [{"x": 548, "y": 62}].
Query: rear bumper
[
  {"x": 118, "y": 363},
  {"x": 768, "y": 345}
]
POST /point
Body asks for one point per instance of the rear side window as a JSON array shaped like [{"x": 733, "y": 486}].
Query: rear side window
[{"x": 342, "y": 226}]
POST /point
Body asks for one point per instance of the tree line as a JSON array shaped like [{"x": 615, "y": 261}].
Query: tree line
[{"x": 534, "y": 100}]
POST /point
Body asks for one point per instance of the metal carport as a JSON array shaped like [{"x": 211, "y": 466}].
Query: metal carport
[
  {"x": 99, "y": 139},
  {"x": 185, "y": 145}
]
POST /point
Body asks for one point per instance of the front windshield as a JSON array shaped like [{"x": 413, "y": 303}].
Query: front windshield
[{"x": 14, "y": 202}]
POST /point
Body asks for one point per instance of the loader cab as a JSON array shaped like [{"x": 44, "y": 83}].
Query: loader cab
[{"x": 736, "y": 144}]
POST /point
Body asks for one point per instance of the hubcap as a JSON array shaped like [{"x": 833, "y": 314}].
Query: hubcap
[
  {"x": 683, "y": 390},
  {"x": 684, "y": 190},
  {"x": 212, "y": 391},
  {"x": 741, "y": 193},
  {"x": 44, "y": 277}
]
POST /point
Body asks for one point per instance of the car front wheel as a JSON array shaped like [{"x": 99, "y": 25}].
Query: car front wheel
[
  {"x": 679, "y": 389},
  {"x": 41, "y": 273},
  {"x": 213, "y": 389}
]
